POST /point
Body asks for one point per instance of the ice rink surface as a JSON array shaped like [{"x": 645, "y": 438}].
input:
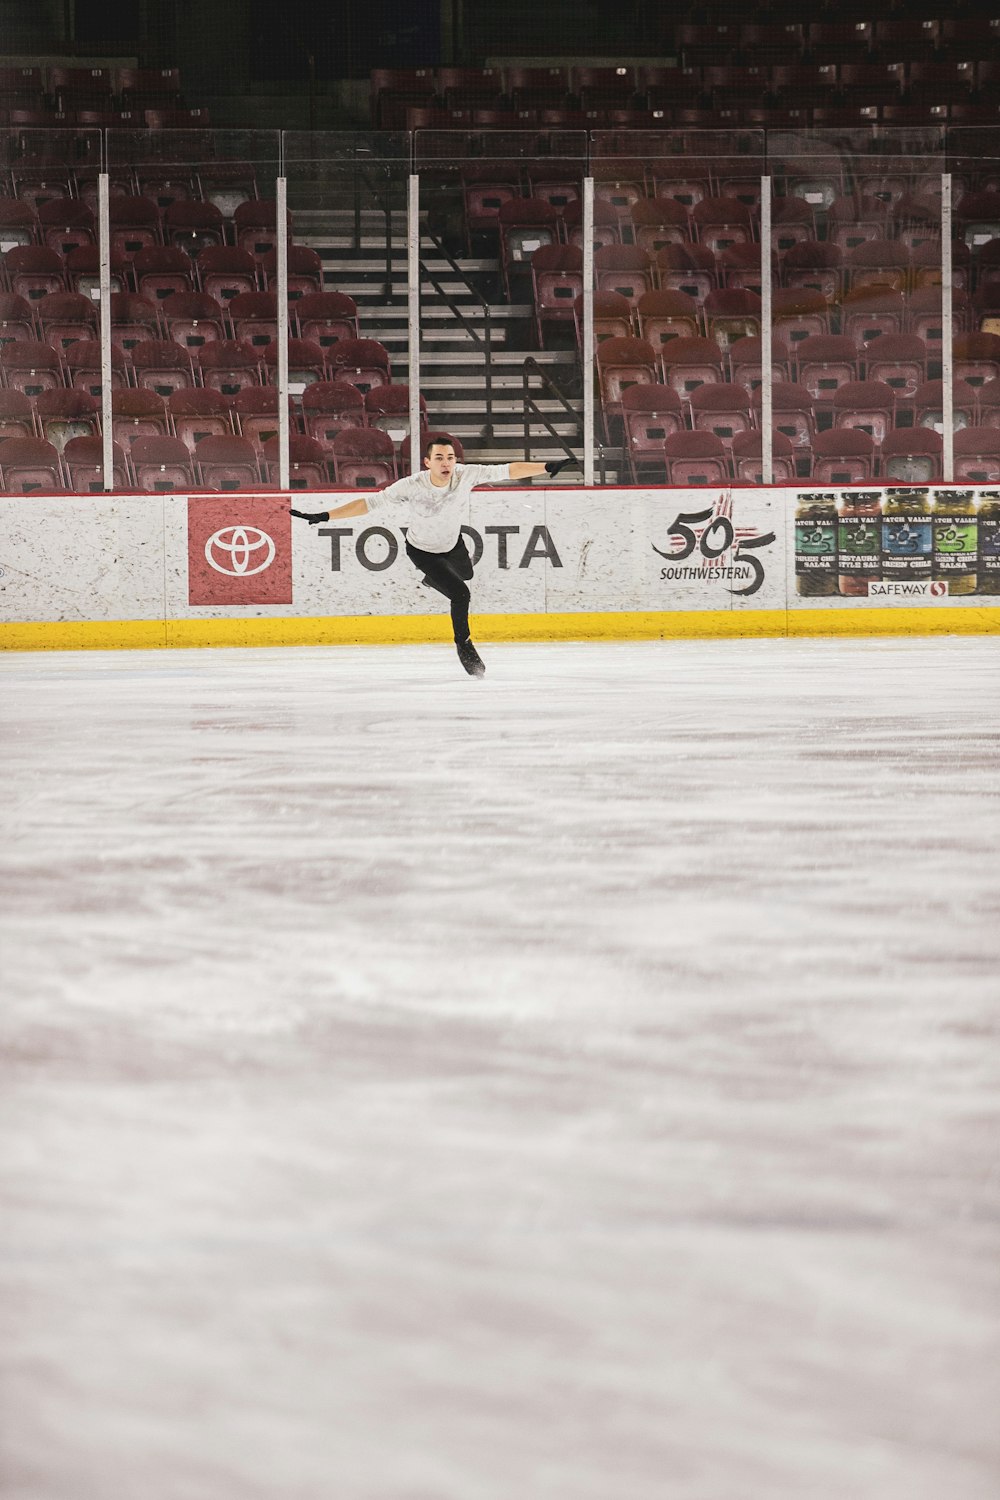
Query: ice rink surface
[{"x": 578, "y": 1085}]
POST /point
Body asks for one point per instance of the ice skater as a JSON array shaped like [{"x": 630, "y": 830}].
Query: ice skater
[{"x": 435, "y": 502}]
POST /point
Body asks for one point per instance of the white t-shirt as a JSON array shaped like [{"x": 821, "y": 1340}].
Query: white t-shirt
[{"x": 433, "y": 514}]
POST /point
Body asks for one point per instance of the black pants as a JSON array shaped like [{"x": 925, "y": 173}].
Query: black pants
[{"x": 448, "y": 572}]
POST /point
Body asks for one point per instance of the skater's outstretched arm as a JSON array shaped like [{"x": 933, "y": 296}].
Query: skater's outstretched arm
[
  {"x": 358, "y": 507},
  {"x": 529, "y": 471}
]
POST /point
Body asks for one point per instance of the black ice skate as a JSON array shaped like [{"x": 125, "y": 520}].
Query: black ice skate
[{"x": 470, "y": 658}]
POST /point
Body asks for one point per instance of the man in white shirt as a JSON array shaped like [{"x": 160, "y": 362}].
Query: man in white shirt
[{"x": 436, "y": 504}]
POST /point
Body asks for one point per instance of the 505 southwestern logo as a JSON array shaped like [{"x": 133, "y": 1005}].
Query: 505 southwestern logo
[{"x": 719, "y": 551}]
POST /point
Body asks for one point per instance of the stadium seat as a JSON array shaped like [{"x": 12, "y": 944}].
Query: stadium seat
[
  {"x": 134, "y": 224},
  {"x": 29, "y": 465},
  {"x": 64, "y": 224},
  {"x": 877, "y": 262},
  {"x": 911, "y": 454},
  {"x": 664, "y": 314},
  {"x": 162, "y": 366},
  {"x": 82, "y": 366},
  {"x": 747, "y": 458},
  {"x": 361, "y": 362},
  {"x": 194, "y": 319},
  {"x": 622, "y": 362},
  {"x": 989, "y": 404},
  {"x": 83, "y": 462},
  {"x": 306, "y": 364},
  {"x": 868, "y": 312},
  {"x": 133, "y": 320},
  {"x": 329, "y": 406},
  {"x": 63, "y": 414},
  {"x": 793, "y": 412},
  {"x": 226, "y": 463},
  {"x": 18, "y": 225},
  {"x": 325, "y": 318},
  {"x": 854, "y": 218},
  {"x": 255, "y": 224},
  {"x": 17, "y": 321},
  {"x": 625, "y": 269},
  {"x": 721, "y": 222},
  {"x": 826, "y": 361},
  {"x": 746, "y": 362},
  {"x": 690, "y": 362},
  {"x": 387, "y": 407},
  {"x": 193, "y": 226},
  {"x": 254, "y": 318},
  {"x": 843, "y": 455},
  {"x": 695, "y": 458},
  {"x": 256, "y": 414},
  {"x": 65, "y": 317},
  {"x": 228, "y": 365},
  {"x": 928, "y": 405},
  {"x": 650, "y": 413},
  {"x": 659, "y": 221},
  {"x": 308, "y": 463},
  {"x": 793, "y": 222},
  {"x": 362, "y": 458},
  {"x": 721, "y": 408},
  {"x": 485, "y": 188},
  {"x": 866, "y": 404},
  {"x": 732, "y": 313},
  {"x": 739, "y": 268},
  {"x": 162, "y": 270},
  {"x": 977, "y": 455},
  {"x": 814, "y": 266},
  {"x": 17, "y": 415},
  {"x": 161, "y": 464},
  {"x": 690, "y": 269},
  {"x": 34, "y": 271},
  {"x": 798, "y": 314},
  {"x": 224, "y": 271},
  {"x": 198, "y": 413},
  {"x": 900, "y": 360},
  {"x": 606, "y": 231},
  {"x": 305, "y": 271},
  {"x": 612, "y": 317},
  {"x": 136, "y": 414},
  {"x": 976, "y": 357},
  {"x": 29, "y": 366},
  {"x": 525, "y": 225},
  {"x": 557, "y": 280}
]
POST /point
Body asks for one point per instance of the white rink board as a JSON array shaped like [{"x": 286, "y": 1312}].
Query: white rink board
[{"x": 537, "y": 551}]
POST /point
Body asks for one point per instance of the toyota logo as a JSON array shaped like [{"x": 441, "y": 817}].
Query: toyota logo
[{"x": 235, "y": 550}]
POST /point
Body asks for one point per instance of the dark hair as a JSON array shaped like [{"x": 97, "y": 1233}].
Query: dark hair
[{"x": 436, "y": 440}]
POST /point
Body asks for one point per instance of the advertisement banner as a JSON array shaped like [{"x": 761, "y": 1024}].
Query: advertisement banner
[{"x": 239, "y": 549}]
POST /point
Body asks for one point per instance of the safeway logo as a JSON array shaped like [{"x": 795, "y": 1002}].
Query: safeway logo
[
  {"x": 239, "y": 549},
  {"x": 919, "y": 589}
]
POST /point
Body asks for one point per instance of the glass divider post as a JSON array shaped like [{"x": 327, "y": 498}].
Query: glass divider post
[
  {"x": 766, "y": 362},
  {"x": 104, "y": 289},
  {"x": 281, "y": 216},
  {"x": 947, "y": 362},
  {"x": 413, "y": 316},
  {"x": 587, "y": 352}
]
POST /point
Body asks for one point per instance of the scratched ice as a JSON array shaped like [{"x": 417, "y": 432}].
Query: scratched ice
[{"x": 580, "y": 1085}]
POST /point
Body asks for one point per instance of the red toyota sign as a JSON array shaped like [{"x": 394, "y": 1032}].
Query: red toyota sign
[{"x": 239, "y": 549}]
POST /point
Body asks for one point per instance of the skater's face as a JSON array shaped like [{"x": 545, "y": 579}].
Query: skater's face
[{"x": 441, "y": 463}]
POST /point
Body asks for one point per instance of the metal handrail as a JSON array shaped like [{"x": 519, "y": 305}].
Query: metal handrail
[
  {"x": 484, "y": 342},
  {"x": 529, "y": 368}
]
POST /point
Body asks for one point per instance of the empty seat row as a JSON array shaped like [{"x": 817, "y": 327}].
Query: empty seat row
[
  {"x": 157, "y": 462},
  {"x": 156, "y": 272},
  {"x": 849, "y": 456},
  {"x": 136, "y": 223}
]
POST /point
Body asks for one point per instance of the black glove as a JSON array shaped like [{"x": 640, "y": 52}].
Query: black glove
[
  {"x": 557, "y": 464},
  {"x": 312, "y": 516}
]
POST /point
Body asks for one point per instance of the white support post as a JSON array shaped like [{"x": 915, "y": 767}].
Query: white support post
[
  {"x": 281, "y": 219},
  {"x": 587, "y": 352},
  {"x": 413, "y": 316},
  {"x": 766, "y": 362},
  {"x": 947, "y": 358},
  {"x": 104, "y": 292}
]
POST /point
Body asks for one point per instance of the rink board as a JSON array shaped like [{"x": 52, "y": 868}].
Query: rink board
[{"x": 236, "y": 569}]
